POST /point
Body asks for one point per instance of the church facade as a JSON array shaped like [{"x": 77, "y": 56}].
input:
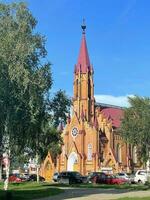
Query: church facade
[{"x": 91, "y": 136}]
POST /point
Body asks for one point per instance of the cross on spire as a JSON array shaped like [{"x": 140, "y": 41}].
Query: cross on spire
[{"x": 83, "y": 26}]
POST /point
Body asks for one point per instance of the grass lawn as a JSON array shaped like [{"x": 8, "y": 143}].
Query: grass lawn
[
  {"x": 28, "y": 191},
  {"x": 32, "y": 190},
  {"x": 106, "y": 186}
]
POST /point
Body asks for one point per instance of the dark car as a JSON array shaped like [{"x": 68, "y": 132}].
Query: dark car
[
  {"x": 70, "y": 177},
  {"x": 33, "y": 177},
  {"x": 92, "y": 175},
  {"x": 100, "y": 177}
]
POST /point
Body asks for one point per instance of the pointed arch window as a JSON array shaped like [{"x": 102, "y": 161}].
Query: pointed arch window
[
  {"x": 118, "y": 153},
  {"x": 134, "y": 153},
  {"x": 89, "y": 88},
  {"x": 77, "y": 82},
  {"x": 89, "y": 155}
]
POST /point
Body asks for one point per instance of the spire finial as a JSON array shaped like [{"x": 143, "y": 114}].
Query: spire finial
[{"x": 83, "y": 26}]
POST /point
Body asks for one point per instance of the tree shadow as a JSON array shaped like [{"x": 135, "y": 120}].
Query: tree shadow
[
  {"x": 77, "y": 191},
  {"x": 70, "y": 193}
]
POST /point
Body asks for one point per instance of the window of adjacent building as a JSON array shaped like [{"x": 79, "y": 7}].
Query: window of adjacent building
[
  {"x": 89, "y": 155},
  {"x": 134, "y": 154},
  {"x": 118, "y": 152}
]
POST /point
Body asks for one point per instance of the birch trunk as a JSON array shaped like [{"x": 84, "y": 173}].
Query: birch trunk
[
  {"x": 37, "y": 168},
  {"x": 37, "y": 171},
  {"x": 7, "y": 177}
]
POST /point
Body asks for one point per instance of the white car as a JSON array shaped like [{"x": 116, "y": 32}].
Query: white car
[
  {"x": 142, "y": 176},
  {"x": 56, "y": 177},
  {"x": 124, "y": 176}
]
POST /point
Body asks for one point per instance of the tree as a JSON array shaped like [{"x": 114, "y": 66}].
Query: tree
[
  {"x": 26, "y": 122},
  {"x": 135, "y": 127},
  {"x": 60, "y": 107},
  {"x": 25, "y": 79}
]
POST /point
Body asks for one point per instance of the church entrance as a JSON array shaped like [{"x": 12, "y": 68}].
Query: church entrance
[{"x": 72, "y": 162}]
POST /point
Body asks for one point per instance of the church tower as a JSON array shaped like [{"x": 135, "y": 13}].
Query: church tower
[
  {"x": 83, "y": 98},
  {"x": 91, "y": 138}
]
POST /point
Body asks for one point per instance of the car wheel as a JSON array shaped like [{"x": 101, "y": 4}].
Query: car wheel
[{"x": 139, "y": 182}]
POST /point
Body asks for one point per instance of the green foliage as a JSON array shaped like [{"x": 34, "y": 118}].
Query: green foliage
[
  {"x": 52, "y": 140},
  {"x": 60, "y": 107},
  {"x": 135, "y": 127},
  {"x": 25, "y": 77},
  {"x": 27, "y": 117}
]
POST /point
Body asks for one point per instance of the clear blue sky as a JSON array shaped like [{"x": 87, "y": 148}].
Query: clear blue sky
[{"x": 118, "y": 39}]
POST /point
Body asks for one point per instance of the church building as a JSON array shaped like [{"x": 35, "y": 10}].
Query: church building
[{"x": 91, "y": 136}]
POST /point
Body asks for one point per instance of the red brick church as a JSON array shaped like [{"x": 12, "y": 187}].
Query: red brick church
[{"x": 91, "y": 138}]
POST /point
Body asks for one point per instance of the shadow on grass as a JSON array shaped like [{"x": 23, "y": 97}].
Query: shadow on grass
[
  {"x": 28, "y": 191},
  {"x": 130, "y": 187},
  {"x": 28, "y": 194},
  {"x": 101, "y": 193}
]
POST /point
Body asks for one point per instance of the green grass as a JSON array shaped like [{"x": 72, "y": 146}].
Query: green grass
[
  {"x": 31, "y": 190},
  {"x": 28, "y": 191},
  {"x": 106, "y": 186}
]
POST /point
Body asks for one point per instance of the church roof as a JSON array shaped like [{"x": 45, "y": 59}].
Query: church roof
[
  {"x": 114, "y": 115},
  {"x": 83, "y": 63}
]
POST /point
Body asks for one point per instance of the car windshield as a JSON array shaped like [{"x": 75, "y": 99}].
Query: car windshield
[
  {"x": 142, "y": 172},
  {"x": 94, "y": 174},
  {"x": 121, "y": 174},
  {"x": 76, "y": 174}
]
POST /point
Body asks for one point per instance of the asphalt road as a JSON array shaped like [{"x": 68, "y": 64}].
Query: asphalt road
[{"x": 96, "y": 194}]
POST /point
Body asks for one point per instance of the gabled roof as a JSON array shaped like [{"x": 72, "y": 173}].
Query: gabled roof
[{"x": 112, "y": 113}]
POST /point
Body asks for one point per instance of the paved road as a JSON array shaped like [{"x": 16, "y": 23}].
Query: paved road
[{"x": 96, "y": 194}]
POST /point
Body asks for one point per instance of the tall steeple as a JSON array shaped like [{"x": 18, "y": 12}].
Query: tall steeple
[
  {"x": 83, "y": 64},
  {"x": 83, "y": 100}
]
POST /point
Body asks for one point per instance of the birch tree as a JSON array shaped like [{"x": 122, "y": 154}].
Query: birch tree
[{"x": 25, "y": 79}]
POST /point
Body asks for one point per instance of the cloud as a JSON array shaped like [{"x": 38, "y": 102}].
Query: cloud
[{"x": 113, "y": 100}]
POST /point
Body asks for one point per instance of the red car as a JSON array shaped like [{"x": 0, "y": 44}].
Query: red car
[
  {"x": 115, "y": 180},
  {"x": 108, "y": 179},
  {"x": 14, "y": 179}
]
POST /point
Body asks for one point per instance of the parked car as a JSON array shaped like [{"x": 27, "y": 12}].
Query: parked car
[
  {"x": 92, "y": 175},
  {"x": 25, "y": 176},
  {"x": 112, "y": 179},
  {"x": 123, "y": 175},
  {"x": 33, "y": 177},
  {"x": 132, "y": 176},
  {"x": 56, "y": 177},
  {"x": 97, "y": 177},
  {"x": 142, "y": 176},
  {"x": 14, "y": 179},
  {"x": 70, "y": 177},
  {"x": 108, "y": 179}
]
